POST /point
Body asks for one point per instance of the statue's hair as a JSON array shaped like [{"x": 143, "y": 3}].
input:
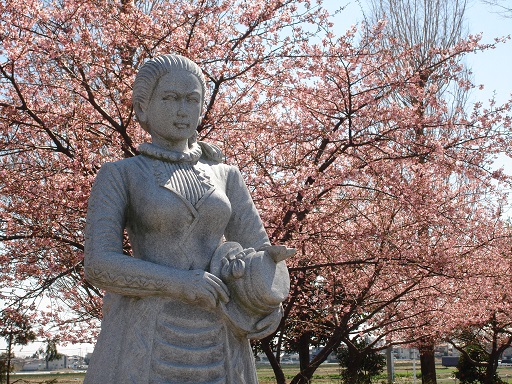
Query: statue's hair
[{"x": 152, "y": 70}]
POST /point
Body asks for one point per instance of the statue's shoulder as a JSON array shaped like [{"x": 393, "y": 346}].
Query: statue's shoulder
[
  {"x": 128, "y": 162},
  {"x": 125, "y": 167}
]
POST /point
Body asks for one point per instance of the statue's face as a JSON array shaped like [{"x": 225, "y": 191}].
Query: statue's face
[{"x": 174, "y": 109}]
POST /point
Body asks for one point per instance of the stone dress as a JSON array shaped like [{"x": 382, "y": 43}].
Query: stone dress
[{"x": 177, "y": 208}]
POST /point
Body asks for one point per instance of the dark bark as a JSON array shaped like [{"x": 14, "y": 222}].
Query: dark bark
[
  {"x": 9, "y": 358},
  {"x": 304, "y": 358},
  {"x": 305, "y": 375},
  {"x": 490, "y": 370},
  {"x": 492, "y": 363},
  {"x": 303, "y": 349},
  {"x": 353, "y": 369},
  {"x": 274, "y": 363},
  {"x": 428, "y": 364}
]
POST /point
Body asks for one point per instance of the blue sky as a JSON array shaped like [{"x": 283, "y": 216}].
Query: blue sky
[{"x": 492, "y": 68}]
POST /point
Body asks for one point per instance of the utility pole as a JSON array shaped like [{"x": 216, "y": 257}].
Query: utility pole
[{"x": 390, "y": 365}]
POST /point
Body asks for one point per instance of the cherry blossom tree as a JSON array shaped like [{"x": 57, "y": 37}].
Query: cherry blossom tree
[
  {"x": 66, "y": 74},
  {"x": 316, "y": 122},
  {"x": 427, "y": 26},
  {"x": 418, "y": 170},
  {"x": 481, "y": 308},
  {"x": 430, "y": 27}
]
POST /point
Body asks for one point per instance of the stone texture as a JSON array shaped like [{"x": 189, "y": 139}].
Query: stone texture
[{"x": 203, "y": 277}]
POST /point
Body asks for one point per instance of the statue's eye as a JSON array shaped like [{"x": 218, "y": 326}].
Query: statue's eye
[{"x": 170, "y": 96}]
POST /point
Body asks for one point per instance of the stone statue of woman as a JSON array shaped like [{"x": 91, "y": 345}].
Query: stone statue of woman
[{"x": 203, "y": 278}]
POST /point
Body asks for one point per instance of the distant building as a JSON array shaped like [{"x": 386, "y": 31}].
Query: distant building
[
  {"x": 403, "y": 353},
  {"x": 34, "y": 365},
  {"x": 507, "y": 354},
  {"x": 43, "y": 365}
]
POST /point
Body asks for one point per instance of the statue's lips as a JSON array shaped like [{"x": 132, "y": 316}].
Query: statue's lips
[{"x": 181, "y": 125}]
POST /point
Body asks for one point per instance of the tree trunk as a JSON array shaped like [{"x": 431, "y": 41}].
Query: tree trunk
[
  {"x": 9, "y": 351},
  {"x": 305, "y": 375},
  {"x": 353, "y": 369},
  {"x": 302, "y": 378},
  {"x": 490, "y": 373},
  {"x": 274, "y": 363},
  {"x": 492, "y": 362},
  {"x": 428, "y": 364},
  {"x": 304, "y": 359},
  {"x": 303, "y": 347}
]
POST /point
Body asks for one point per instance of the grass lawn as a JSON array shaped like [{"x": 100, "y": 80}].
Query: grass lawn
[
  {"x": 326, "y": 374},
  {"x": 48, "y": 378}
]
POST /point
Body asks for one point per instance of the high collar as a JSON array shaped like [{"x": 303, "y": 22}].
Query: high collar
[{"x": 190, "y": 156}]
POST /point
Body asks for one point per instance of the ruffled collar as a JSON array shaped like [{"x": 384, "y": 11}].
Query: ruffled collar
[{"x": 190, "y": 156}]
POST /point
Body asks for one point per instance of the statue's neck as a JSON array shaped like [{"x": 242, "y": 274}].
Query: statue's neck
[{"x": 191, "y": 155}]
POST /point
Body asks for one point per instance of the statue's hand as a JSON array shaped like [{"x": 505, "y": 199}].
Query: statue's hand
[
  {"x": 267, "y": 325},
  {"x": 201, "y": 286}
]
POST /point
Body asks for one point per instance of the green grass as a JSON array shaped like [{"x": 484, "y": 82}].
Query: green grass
[
  {"x": 327, "y": 373},
  {"x": 53, "y": 378}
]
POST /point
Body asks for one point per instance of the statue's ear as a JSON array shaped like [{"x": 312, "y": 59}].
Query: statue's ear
[{"x": 140, "y": 111}]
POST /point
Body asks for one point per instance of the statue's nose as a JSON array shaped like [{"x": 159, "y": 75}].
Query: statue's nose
[{"x": 182, "y": 108}]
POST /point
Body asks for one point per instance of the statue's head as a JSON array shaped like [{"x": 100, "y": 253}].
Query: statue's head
[{"x": 151, "y": 72}]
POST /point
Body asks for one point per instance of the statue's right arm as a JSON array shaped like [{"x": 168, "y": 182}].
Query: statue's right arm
[{"x": 107, "y": 267}]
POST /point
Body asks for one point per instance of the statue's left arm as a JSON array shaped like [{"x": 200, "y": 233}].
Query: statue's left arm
[
  {"x": 246, "y": 228},
  {"x": 245, "y": 225}
]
